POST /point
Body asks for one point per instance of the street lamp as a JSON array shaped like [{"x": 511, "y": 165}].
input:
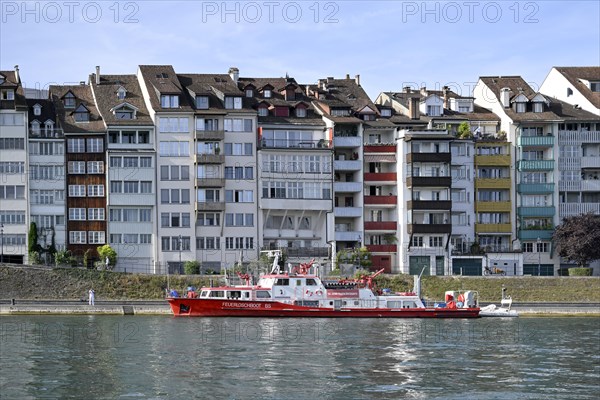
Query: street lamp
[
  {"x": 180, "y": 243},
  {"x": 2, "y": 243},
  {"x": 539, "y": 242}
]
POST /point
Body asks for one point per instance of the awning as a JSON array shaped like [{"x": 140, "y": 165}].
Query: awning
[{"x": 381, "y": 158}]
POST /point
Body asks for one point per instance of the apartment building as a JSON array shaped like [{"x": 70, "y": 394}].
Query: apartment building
[
  {"x": 46, "y": 177},
  {"x": 85, "y": 164},
  {"x": 294, "y": 163},
  {"x": 225, "y": 162},
  {"x": 14, "y": 187},
  {"x": 533, "y": 123},
  {"x": 131, "y": 189},
  {"x": 575, "y": 85}
]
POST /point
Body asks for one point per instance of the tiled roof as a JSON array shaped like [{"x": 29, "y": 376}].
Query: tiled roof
[
  {"x": 345, "y": 92},
  {"x": 47, "y": 112},
  {"x": 83, "y": 95},
  {"x": 568, "y": 112},
  {"x": 11, "y": 82},
  {"x": 106, "y": 98},
  {"x": 161, "y": 79},
  {"x": 574, "y": 74}
]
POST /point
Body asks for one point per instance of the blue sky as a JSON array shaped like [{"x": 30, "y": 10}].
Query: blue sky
[{"x": 389, "y": 43}]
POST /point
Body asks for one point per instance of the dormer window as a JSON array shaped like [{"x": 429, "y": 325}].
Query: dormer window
[
  {"x": 49, "y": 128},
  {"x": 202, "y": 102},
  {"x": 595, "y": 86},
  {"x": 69, "y": 100},
  {"x": 35, "y": 127},
  {"x": 267, "y": 93},
  {"x": 249, "y": 93},
  {"x": 124, "y": 111},
  {"x": 301, "y": 112},
  {"x": 340, "y": 112},
  {"x": 2, "y": 78},
  {"x": 520, "y": 107},
  {"x": 169, "y": 101},
  {"x": 434, "y": 111},
  {"x": 7, "y": 94},
  {"x": 121, "y": 93},
  {"x": 263, "y": 110},
  {"x": 37, "y": 110},
  {"x": 538, "y": 107},
  {"x": 386, "y": 112},
  {"x": 233, "y": 103},
  {"x": 81, "y": 114}
]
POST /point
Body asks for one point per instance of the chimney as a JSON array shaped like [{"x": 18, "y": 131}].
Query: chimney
[
  {"x": 234, "y": 73},
  {"x": 17, "y": 78},
  {"x": 424, "y": 91},
  {"x": 82, "y": 83},
  {"x": 347, "y": 76},
  {"x": 357, "y": 79},
  {"x": 330, "y": 79},
  {"x": 307, "y": 88},
  {"x": 505, "y": 97},
  {"x": 413, "y": 108},
  {"x": 406, "y": 89},
  {"x": 97, "y": 74},
  {"x": 445, "y": 90}
]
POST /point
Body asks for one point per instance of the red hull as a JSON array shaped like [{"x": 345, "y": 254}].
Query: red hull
[{"x": 184, "y": 307}]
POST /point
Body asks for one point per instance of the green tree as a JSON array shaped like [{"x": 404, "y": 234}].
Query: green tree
[
  {"x": 464, "y": 131},
  {"x": 107, "y": 251},
  {"x": 577, "y": 238},
  {"x": 191, "y": 267},
  {"x": 63, "y": 257},
  {"x": 86, "y": 258},
  {"x": 33, "y": 239},
  {"x": 360, "y": 257}
]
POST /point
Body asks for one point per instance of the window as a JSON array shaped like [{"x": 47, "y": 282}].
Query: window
[
  {"x": 207, "y": 124},
  {"x": 96, "y": 237},
  {"x": 173, "y": 124},
  {"x": 121, "y": 92},
  {"x": 434, "y": 111},
  {"x": 76, "y": 145},
  {"x": 436, "y": 241},
  {"x": 95, "y": 167},
  {"x": 208, "y": 195},
  {"x": 249, "y": 93},
  {"x": 208, "y": 219},
  {"x": 12, "y": 119},
  {"x": 595, "y": 86},
  {"x": 81, "y": 114},
  {"x": 169, "y": 101},
  {"x": 520, "y": 107},
  {"x": 174, "y": 149},
  {"x": 77, "y": 237},
  {"x": 77, "y": 167},
  {"x": 208, "y": 243},
  {"x": 417, "y": 241},
  {"x": 124, "y": 113},
  {"x": 237, "y": 125},
  {"x": 202, "y": 102},
  {"x": 96, "y": 214},
  {"x": 77, "y": 190},
  {"x": 69, "y": 100},
  {"x": 301, "y": 112},
  {"x": 95, "y": 145},
  {"x": 267, "y": 93},
  {"x": 233, "y": 103},
  {"x": 239, "y": 219},
  {"x": 263, "y": 111},
  {"x": 77, "y": 214},
  {"x": 95, "y": 190},
  {"x": 538, "y": 107},
  {"x": 527, "y": 247},
  {"x": 12, "y": 192},
  {"x": 386, "y": 112}
]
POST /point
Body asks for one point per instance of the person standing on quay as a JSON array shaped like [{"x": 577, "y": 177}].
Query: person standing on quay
[{"x": 91, "y": 297}]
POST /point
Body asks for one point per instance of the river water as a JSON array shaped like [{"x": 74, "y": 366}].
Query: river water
[{"x": 162, "y": 357}]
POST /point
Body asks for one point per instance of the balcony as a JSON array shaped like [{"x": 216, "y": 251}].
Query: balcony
[
  {"x": 585, "y": 185},
  {"x": 493, "y": 228},
  {"x": 210, "y": 206},
  {"x": 571, "y": 209},
  {"x": 43, "y": 134},
  {"x": 352, "y": 212},
  {"x": 493, "y": 160},
  {"x": 210, "y": 135},
  {"x": 295, "y": 204},
  {"x": 210, "y": 182},
  {"x": 578, "y": 137},
  {"x": 493, "y": 206},
  {"x": 295, "y": 144},
  {"x": 382, "y": 248},
  {"x": 384, "y": 148},
  {"x": 536, "y": 211},
  {"x": 539, "y": 141},
  {"x": 590, "y": 162},
  {"x": 380, "y": 177},
  {"x": 429, "y": 204},
  {"x": 532, "y": 234},
  {"x": 535, "y": 188},
  {"x": 305, "y": 251},
  {"x": 381, "y": 225},
  {"x": 347, "y": 165},
  {"x": 430, "y": 228},
  {"x": 348, "y": 236},
  {"x": 348, "y": 187},
  {"x": 381, "y": 200},
  {"x": 493, "y": 183},
  {"x": 429, "y": 157},
  {"x": 428, "y": 181},
  {"x": 210, "y": 158},
  {"x": 347, "y": 141},
  {"x": 536, "y": 165}
]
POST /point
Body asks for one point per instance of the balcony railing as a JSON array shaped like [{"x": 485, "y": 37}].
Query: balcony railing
[
  {"x": 493, "y": 206},
  {"x": 210, "y": 182},
  {"x": 295, "y": 144},
  {"x": 493, "y": 228},
  {"x": 430, "y": 228},
  {"x": 492, "y": 183},
  {"x": 210, "y": 135},
  {"x": 531, "y": 234},
  {"x": 349, "y": 187},
  {"x": 382, "y": 248},
  {"x": 493, "y": 160},
  {"x": 536, "y": 211},
  {"x": 584, "y": 185},
  {"x": 210, "y": 205},
  {"x": 381, "y": 225},
  {"x": 578, "y": 137},
  {"x": 348, "y": 236},
  {"x": 570, "y": 209},
  {"x": 429, "y": 181},
  {"x": 429, "y": 157},
  {"x": 535, "y": 188},
  {"x": 210, "y": 158},
  {"x": 383, "y": 148},
  {"x": 590, "y": 162},
  {"x": 541, "y": 141},
  {"x": 380, "y": 177},
  {"x": 43, "y": 134},
  {"x": 347, "y": 141},
  {"x": 347, "y": 165},
  {"x": 536, "y": 165},
  {"x": 429, "y": 204},
  {"x": 381, "y": 200},
  {"x": 353, "y": 212}
]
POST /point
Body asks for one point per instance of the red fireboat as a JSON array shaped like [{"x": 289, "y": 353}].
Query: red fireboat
[{"x": 298, "y": 293}]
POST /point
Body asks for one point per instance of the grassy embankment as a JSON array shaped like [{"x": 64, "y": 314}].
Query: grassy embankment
[{"x": 73, "y": 284}]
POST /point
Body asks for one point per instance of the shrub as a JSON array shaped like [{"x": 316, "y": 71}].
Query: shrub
[
  {"x": 580, "y": 272},
  {"x": 191, "y": 267}
]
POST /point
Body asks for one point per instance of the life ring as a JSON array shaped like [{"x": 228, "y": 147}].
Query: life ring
[
  {"x": 309, "y": 293},
  {"x": 461, "y": 298},
  {"x": 319, "y": 292}
]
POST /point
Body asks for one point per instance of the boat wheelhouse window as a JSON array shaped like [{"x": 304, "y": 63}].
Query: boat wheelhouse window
[
  {"x": 204, "y": 293},
  {"x": 298, "y": 282},
  {"x": 263, "y": 294},
  {"x": 394, "y": 304},
  {"x": 246, "y": 295},
  {"x": 217, "y": 293},
  {"x": 234, "y": 294},
  {"x": 409, "y": 304},
  {"x": 355, "y": 302},
  {"x": 282, "y": 282},
  {"x": 311, "y": 282}
]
